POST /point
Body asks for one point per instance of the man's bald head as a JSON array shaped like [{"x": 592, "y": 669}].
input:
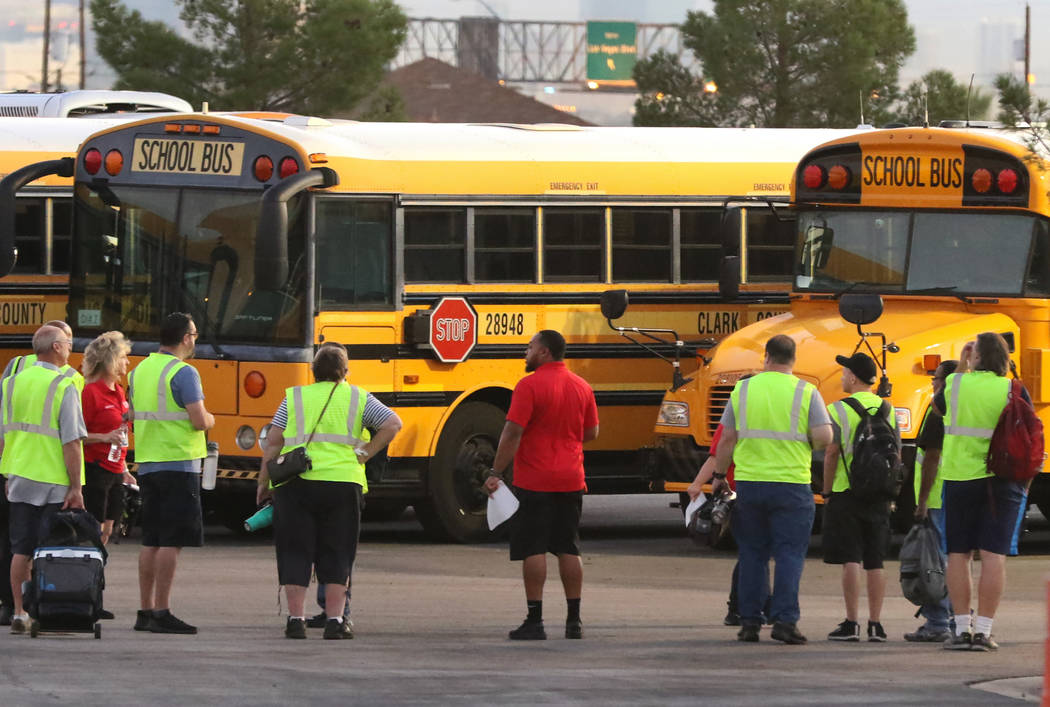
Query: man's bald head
[{"x": 52, "y": 345}]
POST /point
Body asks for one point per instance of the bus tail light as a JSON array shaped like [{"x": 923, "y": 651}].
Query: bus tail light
[
  {"x": 981, "y": 180},
  {"x": 262, "y": 168},
  {"x": 255, "y": 384},
  {"x": 839, "y": 177},
  {"x": 814, "y": 176},
  {"x": 114, "y": 162},
  {"x": 92, "y": 161},
  {"x": 1007, "y": 181},
  {"x": 288, "y": 167}
]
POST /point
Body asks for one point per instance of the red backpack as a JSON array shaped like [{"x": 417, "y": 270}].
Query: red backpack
[{"x": 1016, "y": 450}]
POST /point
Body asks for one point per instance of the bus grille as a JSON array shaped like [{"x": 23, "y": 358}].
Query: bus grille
[{"x": 716, "y": 405}]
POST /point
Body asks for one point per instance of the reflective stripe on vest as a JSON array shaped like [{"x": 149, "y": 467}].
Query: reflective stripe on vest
[
  {"x": 744, "y": 432},
  {"x": 331, "y": 450},
  {"x": 954, "y": 428},
  {"x": 21, "y": 363},
  {"x": 163, "y": 431},
  {"x": 971, "y": 421},
  {"x": 300, "y": 424},
  {"x": 32, "y": 438},
  {"x": 171, "y": 412}
]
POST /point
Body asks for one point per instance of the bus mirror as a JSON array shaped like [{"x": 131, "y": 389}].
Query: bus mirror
[
  {"x": 860, "y": 309},
  {"x": 9, "y": 186},
  {"x": 271, "y": 243},
  {"x": 729, "y": 277},
  {"x": 729, "y": 230},
  {"x": 614, "y": 303}
]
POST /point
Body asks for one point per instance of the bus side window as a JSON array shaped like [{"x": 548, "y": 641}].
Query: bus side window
[
  {"x": 770, "y": 244},
  {"x": 353, "y": 252},
  {"x": 29, "y": 236},
  {"x": 504, "y": 245},
  {"x": 641, "y": 244},
  {"x": 61, "y": 235},
  {"x": 1038, "y": 280},
  {"x": 572, "y": 244},
  {"x": 435, "y": 244},
  {"x": 701, "y": 244}
]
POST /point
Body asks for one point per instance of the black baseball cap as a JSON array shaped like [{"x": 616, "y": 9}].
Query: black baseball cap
[{"x": 861, "y": 365}]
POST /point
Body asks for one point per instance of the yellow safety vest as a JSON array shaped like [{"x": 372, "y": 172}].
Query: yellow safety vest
[
  {"x": 970, "y": 419},
  {"x": 32, "y": 439},
  {"x": 23, "y": 362},
  {"x": 847, "y": 420},
  {"x": 341, "y": 429},
  {"x": 771, "y": 414},
  {"x": 163, "y": 431},
  {"x": 935, "y": 499}
]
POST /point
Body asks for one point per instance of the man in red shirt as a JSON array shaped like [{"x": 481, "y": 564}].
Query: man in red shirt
[{"x": 552, "y": 413}]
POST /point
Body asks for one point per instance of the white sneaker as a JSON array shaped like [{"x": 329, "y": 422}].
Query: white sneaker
[{"x": 19, "y": 623}]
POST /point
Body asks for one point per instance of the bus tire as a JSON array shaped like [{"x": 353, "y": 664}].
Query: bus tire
[{"x": 455, "y": 509}]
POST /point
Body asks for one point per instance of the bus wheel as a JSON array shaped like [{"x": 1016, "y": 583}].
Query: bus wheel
[{"x": 456, "y": 507}]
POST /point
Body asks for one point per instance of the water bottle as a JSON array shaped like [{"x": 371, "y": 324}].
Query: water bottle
[
  {"x": 260, "y": 519},
  {"x": 116, "y": 449},
  {"x": 211, "y": 467}
]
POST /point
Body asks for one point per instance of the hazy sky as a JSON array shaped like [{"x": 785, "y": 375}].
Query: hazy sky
[{"x": 950, "y": 34}]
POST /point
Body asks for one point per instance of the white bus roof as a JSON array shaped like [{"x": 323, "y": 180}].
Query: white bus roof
[
  {"x": 80, "y": 103},
  {"x": 51, "y": 134}
]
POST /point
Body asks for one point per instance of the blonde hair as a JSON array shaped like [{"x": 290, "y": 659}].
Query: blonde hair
[{"x": 102, "y": 354}]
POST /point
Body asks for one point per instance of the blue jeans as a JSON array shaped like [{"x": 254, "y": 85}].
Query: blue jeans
[
  {"x": 771, "y": 520},
  {"x": 938, "y": 615}
]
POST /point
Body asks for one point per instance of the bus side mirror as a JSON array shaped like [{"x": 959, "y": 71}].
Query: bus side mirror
[
  {"x": 614, "y": 303},
  {"x": 860, "y": 309},
  {"x": 729, "y": 277},
  {"x": 9, "y": 186},
  {"x": 271, "y": 235},
  {"x": 729, "y": 228}
]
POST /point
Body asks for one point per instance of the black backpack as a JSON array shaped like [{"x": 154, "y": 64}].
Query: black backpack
[{"x": 876, "y": 472}]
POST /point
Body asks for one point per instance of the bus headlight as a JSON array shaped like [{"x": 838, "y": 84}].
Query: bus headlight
[
  {"x": 245, "y": 437},
  {"x": 674, "y": 414},
  {"x": 263, "y": 434},
  {"x": 903, "y": 419}
]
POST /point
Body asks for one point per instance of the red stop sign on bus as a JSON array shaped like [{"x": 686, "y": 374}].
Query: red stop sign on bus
[{"x": 453, "y": 329}]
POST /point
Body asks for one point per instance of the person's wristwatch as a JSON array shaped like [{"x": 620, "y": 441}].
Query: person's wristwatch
[
  {"x": 720, "y": 477},
  {"x": 493, "y": 472}
]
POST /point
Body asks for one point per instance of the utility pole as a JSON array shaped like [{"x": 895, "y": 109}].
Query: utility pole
[
  {"x": 1027, "y": 44},
  {"x": 83, "y": 48},
  {"x": 47, "y": 45}
]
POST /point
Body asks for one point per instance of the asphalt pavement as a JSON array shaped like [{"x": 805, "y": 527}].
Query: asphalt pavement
[{"x": 431, "y": 623}]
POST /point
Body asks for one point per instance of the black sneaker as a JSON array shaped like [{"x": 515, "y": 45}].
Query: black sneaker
[
  {"x": 928, "y": 634},
  {"x": 335, "y": 630},
  {"x": 105, "y": 614},
  {"x": 959, "y": 642},
  {"x": 846, "y": 631},
  {"x": 529, "y": 631},
  {"x": 295, "y": 628},
  {"x": 788, "y": 633},
  {"x": 317, "y": 620},
  {"x": 574, "y": 629},
  {"x": 6, "y": 612},
  {"x": 983, "y": 643},
  {"x": 748, "y": 633},
  {"x": 875, "y": 632},
  {"x": 142, "y": 617},
  {"x": 732, "y": 619},
  {"x": 166, "y": 622}
]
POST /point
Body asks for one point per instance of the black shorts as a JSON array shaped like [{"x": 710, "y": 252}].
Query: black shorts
[
  {"x": 171, "y": 509},
  {"x": 546, "y": 521},
  {"x": 855, "y": 531},
  {"x": 103, "y": 493},
  {"x": 981, "y": 514},
  {"x": 30, "y": 525},
  {"x": 316, "y": 524}
]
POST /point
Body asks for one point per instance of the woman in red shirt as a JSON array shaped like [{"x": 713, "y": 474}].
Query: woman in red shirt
[{"x": 106, "y": 417}]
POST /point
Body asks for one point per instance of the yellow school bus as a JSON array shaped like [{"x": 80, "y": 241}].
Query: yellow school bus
[
  {"x": 945, "y": 232},
  {"x": 37, "y": 127},
  {"x": 433, "y": 253}
]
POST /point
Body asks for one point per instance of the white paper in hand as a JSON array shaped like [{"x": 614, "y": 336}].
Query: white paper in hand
[
  {"x": 502, "y": 505},
  {"x": 693, "y": 505}
]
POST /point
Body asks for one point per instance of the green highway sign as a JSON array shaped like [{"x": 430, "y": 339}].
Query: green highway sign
[{"x": 612, "y": 49}]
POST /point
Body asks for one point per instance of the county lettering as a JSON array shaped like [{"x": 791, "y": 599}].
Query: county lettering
[{"x": 900, "y": 171}]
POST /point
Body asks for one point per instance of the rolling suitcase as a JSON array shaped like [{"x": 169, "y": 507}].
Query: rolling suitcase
[{"x": 64, "y": 593}]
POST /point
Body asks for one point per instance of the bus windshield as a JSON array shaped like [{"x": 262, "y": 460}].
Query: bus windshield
[
  {"x": 922, "y": 252},
  {"x": 141, "y": 253}
]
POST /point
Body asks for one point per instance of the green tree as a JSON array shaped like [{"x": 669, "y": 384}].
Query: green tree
[
  {"x": 316, "y": 57},
  {"x": 943, "y": 97},
  {"x": 1018, "y": 108},
  {"x": 783, "y": 63}
]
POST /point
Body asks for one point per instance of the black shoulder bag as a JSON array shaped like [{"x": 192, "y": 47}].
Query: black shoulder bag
[{"x": 287, "y": 466}]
